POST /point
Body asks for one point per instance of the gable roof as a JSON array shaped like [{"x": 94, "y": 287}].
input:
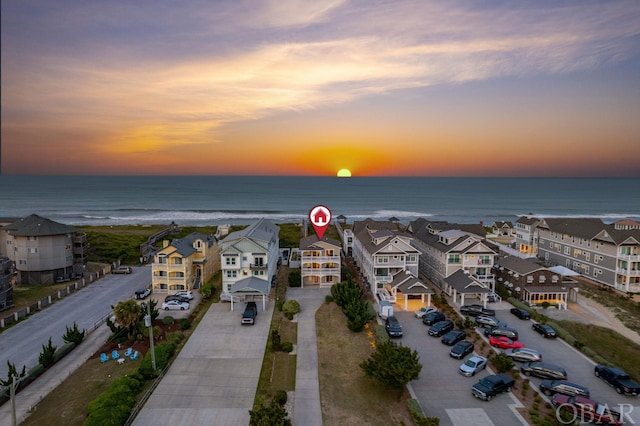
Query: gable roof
[
  {"x": 34, "y": 225},
  {"x": 520, "y": 265},
  {"x": 528, "y": 220},
  {"x": 251, "y": 285},
  {"x": 591, "y": 229},
  {"x": 408, "y": 283},
  {"x": 263, "y": 230},
  {"x": 464, "y": 283},
  {"x": 184, "y": 246},
  {"x": 312, "y": 242}
]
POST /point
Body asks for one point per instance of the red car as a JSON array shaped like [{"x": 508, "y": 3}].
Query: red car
[
  {"x": 503, "y": 342},
  {"x": 587, "y": 410}
]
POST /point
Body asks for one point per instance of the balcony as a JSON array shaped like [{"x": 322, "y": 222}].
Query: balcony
[
  {"x": 629, "y": 257},
  {"x": 320, "y": 271},
  {"x": 628, "y": 272},
  {"x": 258, "y": 267},
  {"x": 383, "y": 279}
]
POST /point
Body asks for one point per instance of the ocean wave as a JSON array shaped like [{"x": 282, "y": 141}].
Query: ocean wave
[{"x": 605, "y": 217}]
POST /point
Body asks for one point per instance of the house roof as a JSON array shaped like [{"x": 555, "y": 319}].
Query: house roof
[
  {"x": 312, "y": 242},
  {"x": 519, "y": 265},
  {"x": 528, "y": 220},
  {"x": 34, "y": 225},
  {"x": 250, "y": 286},
  {"x": 184, "y": 246},
  {"x": 375, "y": 235},
  {"x": 465, "y": 284},
  {"x": 407, "y": 283},
  {"x": 263, "y": 230},
  {"x": 590, "y": 229},
  {"x": 422, "y": 227},
  {"x": 502, "y": 224}
]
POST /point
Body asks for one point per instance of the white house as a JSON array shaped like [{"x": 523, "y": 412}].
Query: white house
[{"x": 320, "y": 261}]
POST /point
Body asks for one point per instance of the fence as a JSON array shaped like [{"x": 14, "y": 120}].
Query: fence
[{"x": 20, "y": 314}]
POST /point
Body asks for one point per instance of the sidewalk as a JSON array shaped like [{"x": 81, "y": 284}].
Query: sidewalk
[
  {"x": 307, "y": 410},
  {"x": 47, "y": 382}
]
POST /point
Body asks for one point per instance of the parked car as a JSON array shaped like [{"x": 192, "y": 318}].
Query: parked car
[
  {"x": 187, "y": 294},
  {"x": 250, "y": 313},
  {"x": 523, "y": 354},
  {"x": 174, "y": 305},
  {"x": 545, "y": 330},
  {"x": 509, "y": 332},
  {"x": 122, "y": 270},
  {"x": 461, "y": 349},
  {"x": 453, "y": 337},
  {"x": 491, "y": 386},
  {"x": 552, "y": 387},
  {"x": 486, "y": 321},
  {"x": 475, "y": 310},
  {"x": 176, "y": 298},
  {"x": 471, "y": 366},
  {"x": 523, "y": 314},
  {"x": 393, "y": 327},
  {"x": 543, "y": 370},
  {"x": 618, "y": 379},
  {"x": 433, "y": 317},
  {"x": 440, "y": 328},
  {"x": 142, "y": 293},
  {"x": 425, "y": 310},
  {"x": 503, "y": 342},
  {"x": 587, "y": 410}
]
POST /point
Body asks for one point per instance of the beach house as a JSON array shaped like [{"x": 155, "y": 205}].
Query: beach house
[
  {"x": 525, "y": 234},
  {"x": 606, "y": 253},
  {"x": 43, "y": 251},
  {"x": 249, "y": 260},
  {"x": 320, "y": 261},
  {"x": 184, "y": 263}
]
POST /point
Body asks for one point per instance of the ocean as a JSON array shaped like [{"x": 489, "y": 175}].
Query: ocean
[{"x": 216, "y": 200}]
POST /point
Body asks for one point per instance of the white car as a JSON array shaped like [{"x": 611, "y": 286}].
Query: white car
[
  {"x": 425, "y": 310},
  {"x": 471, "y": 366},
  {"x": 186, "y": 294},
  {"x": 175, "y": 305}
]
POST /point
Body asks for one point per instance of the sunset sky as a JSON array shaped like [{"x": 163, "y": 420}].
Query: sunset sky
[{"x": 381, "y": 88}]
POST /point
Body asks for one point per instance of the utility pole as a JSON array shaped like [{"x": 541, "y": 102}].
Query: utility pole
[{"x": 149, "y": 323}]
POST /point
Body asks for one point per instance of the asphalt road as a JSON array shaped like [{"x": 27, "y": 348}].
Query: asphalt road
[
  {"x": 444, "y": 393},
  {"x": 22, "y": 343}
]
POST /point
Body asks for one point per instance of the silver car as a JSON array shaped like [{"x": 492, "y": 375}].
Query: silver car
[
  {"x": 523, "y": 354},
  {"x": 425, "y": 310},
  {"x": 471, "y": 366}
]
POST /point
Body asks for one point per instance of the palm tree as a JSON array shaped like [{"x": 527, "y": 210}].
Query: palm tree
[{"x": 127, "y": 314}]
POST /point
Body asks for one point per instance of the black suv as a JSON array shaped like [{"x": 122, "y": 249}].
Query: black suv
[
  {"x": 249, "y": 314},
  {"x": 523, "y": 314},
  {"x": 618, "y": 379},
  {"x": 440, "y": 328},
  {"x": 433, "y": 317},
  {"x": 393, "y": 327}
]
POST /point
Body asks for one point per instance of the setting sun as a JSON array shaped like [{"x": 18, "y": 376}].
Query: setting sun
[{"x": 344, "y": 173}]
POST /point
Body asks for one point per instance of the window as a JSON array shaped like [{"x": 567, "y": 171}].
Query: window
[
  {"x": 22, "y": 262},
  {"x": 411, "y": 258},
  {"x": 32, "y": 250},
  {"x": 32, "y": 238},
  {"x": 232, "y": 274},
  {"x": 162, "y": 258},
  {"x": 163, "y": 286},
  {"x": 567, "y": 250},
  {"x": 587, "y": 256},
  {"x": 383, "y": 259},
  {"x": 454, "y": 258},
  {"x": 230, "y": 261}
]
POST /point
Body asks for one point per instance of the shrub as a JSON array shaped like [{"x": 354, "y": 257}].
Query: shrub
[
  {"x": 164, "y": 351},
  {"x": 175, "y": 337},
  {"x": 280, "y": 397},
  {"x": 207, "y": 291},
  {"x": 271, "y": 415},
  {"x": 419, "y": 419},
  {"x": 328, "y": 298},
  {"x": 286, "y": 347},
  {"x": 114, "y": 406},
  {"x": 276, "y": 345},
  {"x": 279, "y": 304},
  {"x": 295, "y": 278},
  {"x": 46, "y": 356},
  {"x": 73, "y": 335},
  {"x": 290, "y": 308},
  {"x": 185, "y": 324},
  {"x": 381, "y": 333},
  {"x": 503, "y": 363},
  {"x": 168, "y": 320}
]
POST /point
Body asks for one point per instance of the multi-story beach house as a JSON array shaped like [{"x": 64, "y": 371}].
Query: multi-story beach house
[
  {"x": 249, "y": 259},
  {"x": 606, "y": 253},
  {"x": 529, "y": 281},
  {"x": 380, "y": 251},
  {"x": 320, "y": 261},
  {"x": 525, "y": 235},
  {"x": 446, "y": 248},
  {"x": 184, "y": 263},
  {"x": 43, "y": 251},
  {"x": 7, "y": 272}
]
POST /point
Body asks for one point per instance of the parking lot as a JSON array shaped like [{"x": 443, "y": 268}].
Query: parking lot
[{"x": 446, "y": 394}]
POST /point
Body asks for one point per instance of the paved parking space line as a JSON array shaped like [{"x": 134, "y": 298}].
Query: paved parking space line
[{"x": 469, "y": 416}]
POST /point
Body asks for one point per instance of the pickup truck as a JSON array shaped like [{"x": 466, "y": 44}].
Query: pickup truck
[
  {"x": 618, "y": 379},
  {"x": 250, "y": 313},
  {"x": 475, "y": 310},
  {"x": 491, "y": 386}
]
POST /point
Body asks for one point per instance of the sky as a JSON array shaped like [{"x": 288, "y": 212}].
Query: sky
[{"x": 293, "y": 87}]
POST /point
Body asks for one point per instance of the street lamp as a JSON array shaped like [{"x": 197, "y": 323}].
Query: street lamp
[{"x": 149, "y": 323}]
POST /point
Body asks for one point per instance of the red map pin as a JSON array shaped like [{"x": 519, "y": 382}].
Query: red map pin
[{"x": 320, "y": 217}]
